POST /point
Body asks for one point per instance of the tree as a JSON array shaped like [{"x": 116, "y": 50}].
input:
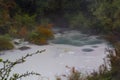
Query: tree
[
  {"x": 6, "y": 7},
  {"x": 6, "y": 13},
  {"x": 108, "y": 14}
]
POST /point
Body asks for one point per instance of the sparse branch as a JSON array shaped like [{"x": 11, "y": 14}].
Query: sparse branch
[
  {"x": 8, "y": 65},
  {"x": 17, "y": 76}
]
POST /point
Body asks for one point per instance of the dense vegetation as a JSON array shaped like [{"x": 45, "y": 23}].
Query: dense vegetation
[
  {"x": 96, "y": 16},
  {"x": 33, "y": 20}
]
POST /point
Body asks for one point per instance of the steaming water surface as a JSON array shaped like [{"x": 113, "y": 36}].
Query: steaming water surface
[{"x": 76, "y": 38}]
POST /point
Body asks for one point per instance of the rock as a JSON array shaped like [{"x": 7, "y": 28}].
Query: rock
[
  {"x": 24, "y": 48},
  {"x": 87, "y": 50},
  {"x": 95, "y": 46},
  {"x": 16, "y": 43}
]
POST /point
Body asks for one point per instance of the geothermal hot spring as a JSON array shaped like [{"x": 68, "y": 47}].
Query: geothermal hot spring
[{"x": 69, "y": 48}]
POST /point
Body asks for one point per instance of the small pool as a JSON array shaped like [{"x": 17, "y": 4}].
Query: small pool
[{"x": 76, "y": 38}]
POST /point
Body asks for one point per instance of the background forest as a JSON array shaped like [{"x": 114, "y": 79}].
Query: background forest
[{"x": 93, "y": 16}]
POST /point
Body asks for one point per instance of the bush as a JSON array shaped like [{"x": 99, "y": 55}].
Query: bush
[
  {"x": 5, "y": 43},
  {"x": 45, "y": 32},
  {"x": 22, "y": 33},
  {"x": 41, "y": 35},
  {"x": 102, "y": 74},
  {"x": 115, "y": 61},
  {"x": 74, "y": 75},
  {"x": 24, "y": 20},
  {"x": 37, "y": 39},
  {"x": 13, "y": 31}
]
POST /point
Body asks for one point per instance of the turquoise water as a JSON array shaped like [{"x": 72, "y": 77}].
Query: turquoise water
[{"x": 76, "y": 38}]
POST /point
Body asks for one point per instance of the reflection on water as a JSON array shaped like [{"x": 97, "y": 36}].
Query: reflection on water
[{"x": 76, "y": 38}]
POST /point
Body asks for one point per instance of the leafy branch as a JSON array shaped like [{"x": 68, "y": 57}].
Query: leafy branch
[{"x": 8, "y": 65}]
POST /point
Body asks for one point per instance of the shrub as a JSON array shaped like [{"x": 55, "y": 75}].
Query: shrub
[
  {"x": 74, "y": 75},
  {"x": 5, "y": 43},
  {"x": 36, "y": 39},
  {"x": 41, "y": 35},
  {"x": 115, "y": 61},
  {"x": 102, "y": 74},
  {"x": 6, "y": 36},
  {"x": 44, "y": 21},
  {"x": 13, "y": 31},
  {"x": 23, "y": 32},
  {"x": 24, "y": 20},
  {"x": 42, "y": 41},
  {"x": 45, "y": 32}
]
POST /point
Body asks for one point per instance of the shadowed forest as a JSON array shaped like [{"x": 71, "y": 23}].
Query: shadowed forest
[{"x": 35, "y": 20}]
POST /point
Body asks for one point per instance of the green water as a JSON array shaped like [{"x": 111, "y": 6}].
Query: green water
[{"x": 77, "y": 39}]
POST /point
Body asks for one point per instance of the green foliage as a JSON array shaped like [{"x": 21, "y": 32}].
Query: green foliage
[
  {"x": 25, "y": 20},
  {"x": 114, "y": 61},
  {"x": 41, "y": 6},
  {"x": 79, "y": 21},
  {"x": 5, "y": 43},
  {"x": 102, "y": 74},
  {"x": 6, "y": 12},
  {"x": 13, "y": 31},
  {"x": 21, "y": 24},
  {"x": 1, "y": 60},
  {"x": 23, "y": 32},
  {"x": 45, "y": 21},
  {"x": 108, "y": 14},
  {"x": 41, "y": 35},
  {"x": 6, "y": 36},
  {"x": 100, "y": 16},
  {"x": 36, "y": 38}
]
